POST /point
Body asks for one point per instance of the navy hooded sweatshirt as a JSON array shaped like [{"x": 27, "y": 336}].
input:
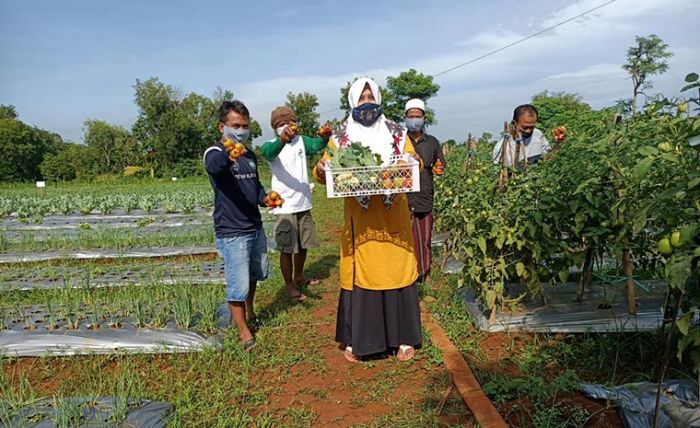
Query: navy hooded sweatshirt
[{"x": 237, "y": 192}]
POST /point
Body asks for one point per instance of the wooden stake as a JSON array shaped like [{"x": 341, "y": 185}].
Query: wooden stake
[
  {"x": 505, "y": 145},
  {"x": 631, "y": 293},
  {"x": 462, "y": 377},
  {"x": 585, "y": 274}
]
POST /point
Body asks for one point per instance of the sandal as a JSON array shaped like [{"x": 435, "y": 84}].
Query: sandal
[
  {"x": 405, "y": 353},
  {"x": 305, "y": 283},
  {"x": 249, "y": 344},
  {"x": 297, "y": 298},
  {"x": 349, "y": 355}
]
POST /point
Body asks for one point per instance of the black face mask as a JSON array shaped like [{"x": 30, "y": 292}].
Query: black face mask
[
  {"x": 367, "y": 114},
  {"x": 525, "y": 135}
]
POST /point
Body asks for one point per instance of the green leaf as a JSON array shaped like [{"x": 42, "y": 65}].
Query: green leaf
[
  {"x": 688, "y": 232},
  {"x": 642, "y": 168},
  {"x": 490, "y": 297},
  {"x": 648, "y": 151},
  {"x": 694, "y": 182},
  {"x": 520, "y": 268},
  {"x": 500, "y": 239},
  {"x": 564, "y": 275},
  {"x": 470, "y": 228},
  {"x": 639, "y": 221},
  {"x": 482, "y": 244},
  {"x": 684, "y": 322},
  {"x": 691, "y": 77},
  {"x": 671, "y": 157}
]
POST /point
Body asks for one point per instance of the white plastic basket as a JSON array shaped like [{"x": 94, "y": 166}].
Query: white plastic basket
[{"x": 400, "y": 176}]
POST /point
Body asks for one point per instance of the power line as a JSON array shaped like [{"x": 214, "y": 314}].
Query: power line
[
  {"x": 471, "y": 61},
  {"x": 523, "y": 39}
]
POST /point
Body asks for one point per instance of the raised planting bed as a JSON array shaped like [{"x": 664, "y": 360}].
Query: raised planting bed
[
  {"x": 155, "y": 319},
  {"x": 603, "y": 309}
]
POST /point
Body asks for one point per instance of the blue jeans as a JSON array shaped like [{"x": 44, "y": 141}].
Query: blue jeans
[{"x": 245, "y": 260}]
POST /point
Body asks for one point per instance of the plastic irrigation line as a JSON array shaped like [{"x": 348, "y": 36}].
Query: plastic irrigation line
[
  {"x": 88, "y": 226},
  {"x": 637, "y": 402},
  {"x": 108, "y": 341},
  {"x": 17, "y": 340},
  {"x": 105, "y": 254},
  {"x": 69, "y": 221},
  {"x": 85, "y": 412},
  {"x": 118, "y": 212},
  {"x": 97, "y": 283}
]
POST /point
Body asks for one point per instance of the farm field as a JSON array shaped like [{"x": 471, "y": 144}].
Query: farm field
[
  {"x": 296, "y": 376},
  {"x": 536, "y": 165}
]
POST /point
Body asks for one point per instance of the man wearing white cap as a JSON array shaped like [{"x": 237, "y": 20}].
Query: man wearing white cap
[{"x": 421, "y": 203}]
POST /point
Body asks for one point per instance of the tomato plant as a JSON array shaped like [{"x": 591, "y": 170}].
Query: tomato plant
[{"x": 624, "y": 189}]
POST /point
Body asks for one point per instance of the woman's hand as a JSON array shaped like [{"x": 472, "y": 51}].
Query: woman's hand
[{"x": 321, "y": 170}]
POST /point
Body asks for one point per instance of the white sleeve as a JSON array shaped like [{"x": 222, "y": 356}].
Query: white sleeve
[
  {"x": 544, "y": 145},
  {"x": 496, "y": 154}
]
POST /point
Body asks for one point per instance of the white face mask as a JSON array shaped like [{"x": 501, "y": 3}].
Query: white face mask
[{"x": 280, "y": 130}]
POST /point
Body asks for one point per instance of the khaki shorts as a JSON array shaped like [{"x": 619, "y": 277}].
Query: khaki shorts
[{"x": 295, "y": 231}]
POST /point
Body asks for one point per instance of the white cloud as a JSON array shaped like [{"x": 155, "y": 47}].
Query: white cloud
[{"x": 480, "y": 96}]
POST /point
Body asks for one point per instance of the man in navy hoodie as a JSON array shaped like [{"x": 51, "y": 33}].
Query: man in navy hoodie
[{"x": 238, "y": 194}]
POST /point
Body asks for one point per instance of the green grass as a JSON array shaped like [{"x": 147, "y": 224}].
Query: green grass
[{"x": 540, "y": 369}]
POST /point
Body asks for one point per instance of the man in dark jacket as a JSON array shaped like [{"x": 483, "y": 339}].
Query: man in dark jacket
[
  {"x": 421, "y": 203},
  {"x": 238, "y": 194}
]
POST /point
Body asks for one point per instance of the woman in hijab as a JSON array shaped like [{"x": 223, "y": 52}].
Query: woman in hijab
[{"x": 378, "y": 311}]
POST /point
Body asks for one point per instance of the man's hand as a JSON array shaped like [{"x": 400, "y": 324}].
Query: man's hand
[
  {"x": 438, "y": 167},
  {"x": 288, "y": 134},
  {"x": 234, "y": 150},
  {"x": 559, "y": 134},
  {"x": 325, "y": 131},
  {"x": 273, "y": 200}
]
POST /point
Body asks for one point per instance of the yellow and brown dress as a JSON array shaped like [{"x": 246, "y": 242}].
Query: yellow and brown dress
[{"x": 378, "y": 308}]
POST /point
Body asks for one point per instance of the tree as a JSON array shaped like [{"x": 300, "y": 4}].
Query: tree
[
  {"x": 562, "y": 108},
  {"x": 304, "y": 105},
  {"x": 645, "y": 59},
  {"x": 7, "y": 111},
  {"x": 112, "y": 147},
  {"x": 22, "y": 149},
  {"x": 407, "y": 85},
  {"x": 72, "y": 161}
]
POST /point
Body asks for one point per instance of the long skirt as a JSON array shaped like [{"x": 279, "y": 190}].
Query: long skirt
[
  {"x": 422, "y": 236},
  {"x": 377, "y": 321}
]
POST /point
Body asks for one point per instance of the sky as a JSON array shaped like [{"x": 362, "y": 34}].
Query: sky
[{"x": 62, "y": 63}]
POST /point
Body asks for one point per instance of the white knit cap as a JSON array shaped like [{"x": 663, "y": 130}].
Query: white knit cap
[{"x": 415, "y": 103}]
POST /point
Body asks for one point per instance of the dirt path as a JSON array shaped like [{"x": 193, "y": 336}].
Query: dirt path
[{"x": 344, "y": 394}]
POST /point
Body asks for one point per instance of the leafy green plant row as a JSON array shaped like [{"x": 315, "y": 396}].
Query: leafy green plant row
[{"x": 156, "y": 306}]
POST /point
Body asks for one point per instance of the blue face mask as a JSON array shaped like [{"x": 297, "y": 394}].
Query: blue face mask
[
  {"x": 367, "y": 114},
  {"x": 238, "y": 135},
  {"x": 414, "y": 124}
]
